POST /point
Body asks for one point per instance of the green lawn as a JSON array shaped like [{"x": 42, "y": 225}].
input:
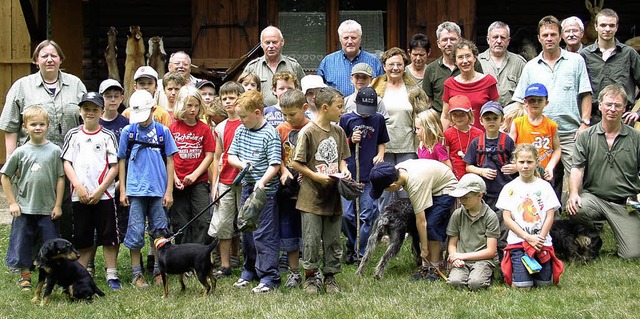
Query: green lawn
[{"x": 605, "y": 288}]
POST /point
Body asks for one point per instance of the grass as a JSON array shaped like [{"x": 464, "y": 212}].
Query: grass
[{"x": 605, "y": 288}]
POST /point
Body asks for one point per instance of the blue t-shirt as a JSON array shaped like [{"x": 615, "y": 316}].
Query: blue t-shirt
[
  {"x": 116, "y": 125},
  {"x": 273, "y": 116},
  {"x": 146, "y": 172},
  {"x": 491, "y": 161},
  {"x": 374, "y": 132}
]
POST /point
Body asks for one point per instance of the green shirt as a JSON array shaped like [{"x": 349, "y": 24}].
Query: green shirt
[
  {"x": 508, "y": 74},
  {"x": 472, "y": 232}
]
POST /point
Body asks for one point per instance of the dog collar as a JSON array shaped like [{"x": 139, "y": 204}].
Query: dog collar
[{"x": 159, "y": 242}]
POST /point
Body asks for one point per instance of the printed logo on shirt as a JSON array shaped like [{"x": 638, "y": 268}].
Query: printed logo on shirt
[{"x": 327, "y": 153}]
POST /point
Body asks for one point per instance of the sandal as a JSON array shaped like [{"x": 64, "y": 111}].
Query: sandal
[
  {"x": 223, "y": 272},
  {"x": 24, "y": 283}
]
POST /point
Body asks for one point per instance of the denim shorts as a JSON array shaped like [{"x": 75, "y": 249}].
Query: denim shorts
[
  {"x": 522, "y": 278},
  {"x": 141, "y": 207},
  {"x": 438, "y": 217}
]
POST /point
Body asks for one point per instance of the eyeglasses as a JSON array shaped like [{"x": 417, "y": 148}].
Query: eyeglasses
[
  {"x": 395, "y": 65},
  {"x": 613, "y": 105}
]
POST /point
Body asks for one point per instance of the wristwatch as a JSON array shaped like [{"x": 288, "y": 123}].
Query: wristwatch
[{"x": 585, "y": 122}]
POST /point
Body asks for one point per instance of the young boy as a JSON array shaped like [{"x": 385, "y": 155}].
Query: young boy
[
  {"x": 537, "y": 129},
  {"x": 294, "y": 106},
  {"x": 214, "y": 112},
  {"x": 489, "y": 156},
  {"x": 282, "y": 81},
  {"x": 146, "y": 78},
  {"x": 310, "y": 85},
  {"x": 172, "y": 82},
  {"x": 257, "y": 143},
  {"x": 33, "y": 181},
  {"x": 146, "y": 176},
  {"x": 320, "y": 152},
  {"x": 90, "y": 162},
  {"x": 428, "y": 184},
  {"x": 473, "y": 236},
  {"x": 113, "y": 95},
  {"x": 361, "y": 76},
  {"x": 367, "y": 131},
  {"x": 222, "y": 176}
]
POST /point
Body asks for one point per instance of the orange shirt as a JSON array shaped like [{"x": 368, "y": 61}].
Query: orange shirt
[{"x": 541, "y": 136}]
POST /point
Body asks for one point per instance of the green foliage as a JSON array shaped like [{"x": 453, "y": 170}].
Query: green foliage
[{"x": 605, "y": 288}]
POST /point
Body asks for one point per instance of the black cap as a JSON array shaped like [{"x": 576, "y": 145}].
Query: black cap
[
  {"x": 367, "y": 101},
  {"x": 92, "y": 97},
  {"x": 203, "y": 83}
]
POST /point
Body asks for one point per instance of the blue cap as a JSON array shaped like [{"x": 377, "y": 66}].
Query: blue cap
[
  {"x": 491, "y": 106},
  {"x": 381, "y": 176},
  {"x": 536, "y": 89}
]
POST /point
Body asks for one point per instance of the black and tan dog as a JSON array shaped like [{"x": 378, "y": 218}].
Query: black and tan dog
[
  {"x": 396, "y": 220},
  {"x": 57, "y": 264},
  {"x": 179, "y": 259},
  {"x": 574, "y": 242}
]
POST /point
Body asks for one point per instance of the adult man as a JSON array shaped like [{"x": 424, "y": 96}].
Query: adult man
[
  {"x": 565, "y": 76},
  {"x": 178, "y": 62},
  {"x": 572, "y": 33},
  {"x": 505, "y": 66},
  {"x": 272, "y": 41},
  {"x": 611, "y": 61},
  {"x": 448, "y": 34},
  {"x": 335, "y": 68},
  {"x": 606, "y": 166}
]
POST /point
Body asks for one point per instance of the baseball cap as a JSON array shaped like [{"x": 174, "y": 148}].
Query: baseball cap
[
  {"x": 536, "y": 89},
  {"x": 204, "y": 83},
  {"x": 109, "y": 83},
  {"x": 140, "y": 103},
  {"x": 381, "y": 176},
  {"x": 469, "y": 183},
  {"x": 491, "y": 106},
  {"x": 311, "y": 82},
  {"x": 92, "y": 97},
  {"x": 362, "y": 68},
  {"x": 366, "y": 101},
  {"x": 459, "y": 103},
  {"x": 145, "y": 72}
]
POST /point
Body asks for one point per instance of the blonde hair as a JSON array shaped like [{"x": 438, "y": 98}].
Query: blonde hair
[
  {"x": 524, "y": 148},
  {"x": 213, "y": 111},
  {"x": 250, "y": 76},
  {"x": 185, "y": 93},
  {"x": 431, "y": 129},
  {"x": 512, "y": 112},
  {"x": 285, "y": 76},
  {"x": 33, "y": 111},
  {"x": 250, "y": 101}
]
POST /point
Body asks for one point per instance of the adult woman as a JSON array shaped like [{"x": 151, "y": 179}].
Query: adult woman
[
  {"x": 403, "y": 99},
  {"x": 419, "y": 50},
  {"x": 479, "y": 88},
  {"x": 59, "y": 93}
]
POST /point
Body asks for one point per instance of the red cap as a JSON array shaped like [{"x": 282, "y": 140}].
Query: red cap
[{"x": 459, "y": 103}]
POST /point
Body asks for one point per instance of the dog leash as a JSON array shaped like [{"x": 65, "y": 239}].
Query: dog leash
[{"x": 235, "y": 182}]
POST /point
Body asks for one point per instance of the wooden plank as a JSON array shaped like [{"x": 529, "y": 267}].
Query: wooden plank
[
  {"x": 393, "y": 24},
  {"x": 333, "y": 16},
  {"x": 66, "y": 30},
  {"x": 213, "y": 63}
]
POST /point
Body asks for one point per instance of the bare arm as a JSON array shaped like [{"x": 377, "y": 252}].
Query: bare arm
[
  {"x": 534, "y": 240},
  {"x": 421, "y": 224},
  {"x": 513, "y": 132},
  {"x": 444, "y": 117},
  {"x": 10, "y": 143},
  {"x": 167, "y": 200},
  {"x": 201, "y": 169},
  {"x": 555, "y": 158},
  {"x": 483, "y": 254},
  {"x": 586, "y": 111},
  {"x": 94, "y": 198},
  {"x": 379, "y": 158},
  {"x": 271, "y": 172},
  {"x": 57, "y": 208},
  {"x": 14, "y": 208},
  {"x": 83, "y": 194},
  {"x": 122, "y": 177},
  {"x": 575, "y": 181}
]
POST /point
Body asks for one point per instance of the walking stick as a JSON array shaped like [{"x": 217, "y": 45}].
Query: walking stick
[{"x": 358, "y": 201}]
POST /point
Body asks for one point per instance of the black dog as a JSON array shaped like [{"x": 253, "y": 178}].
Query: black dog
[
  {"x": 573, "y": 241},
  {"x": 397, "y": 219},
  {"x": 57, "y": 264},
  {"x": 179, "y": 259}
]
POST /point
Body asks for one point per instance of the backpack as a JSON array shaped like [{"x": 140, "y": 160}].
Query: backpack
[
  {"x": 502, "y": 152},
  {"x": 133, "y": 132}
]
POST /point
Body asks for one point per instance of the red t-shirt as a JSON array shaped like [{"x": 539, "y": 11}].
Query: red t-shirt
[
  {"x": 228, "y": 129},
  {"x": 192, "y": 142},
  {"x": 479, "y": 93},
  {"x": 458, "y": 142}
]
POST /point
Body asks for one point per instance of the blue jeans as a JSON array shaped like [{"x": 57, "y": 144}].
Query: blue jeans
[
  {"x": 522, "y": 278},
  {"x": 24, "y": 229},
  {"x": 368, "y": 214},
  {"x": 141, "y": 207},
  {"x": 262, "y": 247},
  {"x": 290, "y": 225}
]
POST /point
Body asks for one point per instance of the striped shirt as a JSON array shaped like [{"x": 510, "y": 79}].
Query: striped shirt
[
  {"x": 262, "y": 148},
  {"x": 335, "y": 69}
]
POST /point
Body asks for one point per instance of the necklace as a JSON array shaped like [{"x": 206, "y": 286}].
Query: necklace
[
  {"x": 460, "y": 152},
  {"x": 50, "y": 83}
]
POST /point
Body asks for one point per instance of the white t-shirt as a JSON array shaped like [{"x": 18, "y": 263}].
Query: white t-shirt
[{"x": 528, "y": 204}]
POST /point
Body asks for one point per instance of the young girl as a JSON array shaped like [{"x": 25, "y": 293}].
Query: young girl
[
  {"x": 528, "y": 206},
  {"x": 459, "y": 136},
  {"x": 249, "y": 81},
  {"x": 429, "y": 131},
  {"x": 195, "y": 153}
]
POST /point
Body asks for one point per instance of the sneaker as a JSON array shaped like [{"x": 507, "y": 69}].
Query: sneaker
[
  {"x": 331, "y": 285},
  {"x": 312, "y": 285},
  {"x": 24, "y": 283},
  {"x": 157, "y": 279},
  {"x": 139, "y": 282},
  {"x": 350, "y": 259},
  {"x": 294, "y": 280},
  {"x": 222, "y": 272},
  {"x": 420, "y": 274},
  {"x": 114, "y": 284},
  {"x": 263, "y": 288},
  {"x": 14, "y": 271},
  {"x": 241, "y": 283},
  {"x": 431, "y": 275}
]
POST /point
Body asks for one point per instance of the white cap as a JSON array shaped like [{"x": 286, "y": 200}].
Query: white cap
[
  {"x": 140, "y": 103},
  {"x": 311, "y": 82},
  {"x": 146, "y": 72},
  {"x": 109, "y": 83}
]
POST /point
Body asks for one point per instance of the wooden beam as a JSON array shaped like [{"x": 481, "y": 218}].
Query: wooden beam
[
  {"x": 333, "y": 16},
  {"x": 35, "y": 31},
  {"x": 393, "y": 24},
  {"x": 215, "y": 63}
]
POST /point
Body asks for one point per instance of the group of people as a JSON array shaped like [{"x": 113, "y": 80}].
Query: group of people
[{"x": 489, "y": 136}]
